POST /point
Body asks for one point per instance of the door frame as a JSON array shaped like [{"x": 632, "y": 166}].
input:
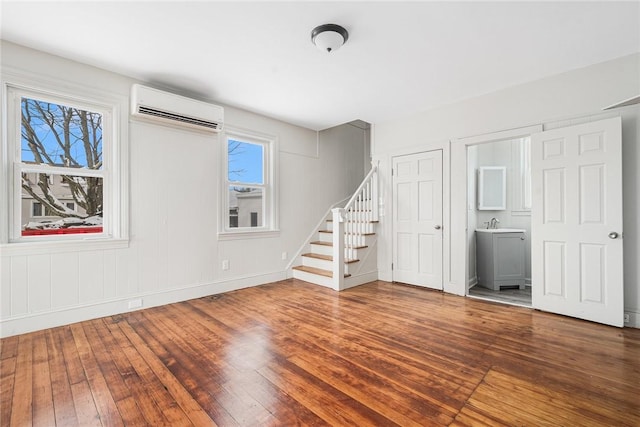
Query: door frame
[
  {"x": 445, "y": 147},
  {"x": 459, "y": 265}
]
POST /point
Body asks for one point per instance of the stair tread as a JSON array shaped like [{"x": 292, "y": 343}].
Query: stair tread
[
  {"x": 331, "y": 244},
  {"x": 319, "y": 256},
  {"x": 328, "y": 258},
  {"x": 369, "y": 222},
  {"x": 358, "y": 234},
  {"x": 318, "y": 271}
]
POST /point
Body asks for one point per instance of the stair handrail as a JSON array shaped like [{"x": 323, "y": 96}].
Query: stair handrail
[{"x": 367, "y": 178}]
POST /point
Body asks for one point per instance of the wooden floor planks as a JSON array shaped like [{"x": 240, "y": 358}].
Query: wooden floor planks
[{"x": 291, "y": 353}]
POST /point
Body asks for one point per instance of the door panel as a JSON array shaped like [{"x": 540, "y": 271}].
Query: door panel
[
  {"x": 417, "y": 219},
  {"x": 577, "y": 203}
]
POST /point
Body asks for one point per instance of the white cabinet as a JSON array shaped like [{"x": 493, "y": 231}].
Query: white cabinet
[{"x": 500, "y": 258}]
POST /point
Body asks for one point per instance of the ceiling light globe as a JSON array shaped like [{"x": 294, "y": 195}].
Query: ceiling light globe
[{"x": 329, "y": 37}]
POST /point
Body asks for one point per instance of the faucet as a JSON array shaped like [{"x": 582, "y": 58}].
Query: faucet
[{"x": 493, "y": 224}]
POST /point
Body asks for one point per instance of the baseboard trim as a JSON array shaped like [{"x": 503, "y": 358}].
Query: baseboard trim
[
  {"x": 634, "y": 318},
  {"x": 64, "y": 316},
  {"x": 360, "y": 279},
  {"x": 385, "y": 275}
]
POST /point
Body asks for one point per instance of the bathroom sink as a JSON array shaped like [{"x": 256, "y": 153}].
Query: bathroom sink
[{"x": 501, "y": 230}]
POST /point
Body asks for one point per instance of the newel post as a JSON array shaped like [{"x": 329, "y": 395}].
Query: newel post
[{"x": 338, "y": 248}]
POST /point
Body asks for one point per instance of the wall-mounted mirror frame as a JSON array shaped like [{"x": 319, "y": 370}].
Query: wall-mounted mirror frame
[{"x": 492, "y": 188}]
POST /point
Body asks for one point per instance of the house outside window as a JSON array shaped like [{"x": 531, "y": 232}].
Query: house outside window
[
  {"x": 249, "y": 202},
  {"x": 60, "y": 151}
]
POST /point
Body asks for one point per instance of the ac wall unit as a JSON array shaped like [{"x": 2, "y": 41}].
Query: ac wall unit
[{"x": 169, "y": 108}]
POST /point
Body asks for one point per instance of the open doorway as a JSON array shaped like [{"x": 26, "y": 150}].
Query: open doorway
[{"x": 499, "y": 220}]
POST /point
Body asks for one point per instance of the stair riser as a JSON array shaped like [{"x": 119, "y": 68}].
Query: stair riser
[
  {"x": 328, "y": 250},
  {"x": 325, "y": 237},
  {"x": 359, "y": 240},
  {"x": 317, "y": 263},
  {"x": 329, "y": 226},
  {"x": 313, "y": 278},
  {"x": 322, "y": 250}
]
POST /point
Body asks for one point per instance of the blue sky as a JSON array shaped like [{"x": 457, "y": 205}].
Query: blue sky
[{"x": 245, "y": 162}]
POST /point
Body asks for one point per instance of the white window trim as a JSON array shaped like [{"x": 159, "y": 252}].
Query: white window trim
[
  {"x": 270, "y": 227},
  {"x": 521, "y": 176},
  {"x": 116, "y": 233}
]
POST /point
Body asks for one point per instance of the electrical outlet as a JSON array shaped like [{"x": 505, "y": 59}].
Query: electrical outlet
[
  {"x": 284, "y": 255},
  {"x": 225, "y": 264},
  {"x": 135, "y": 303},
  {"x": 627, "y": 318}
]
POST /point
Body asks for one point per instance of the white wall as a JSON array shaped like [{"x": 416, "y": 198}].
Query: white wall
[
  {"x": 174, "y": 251},
  {"x": 560, "y": 100}
]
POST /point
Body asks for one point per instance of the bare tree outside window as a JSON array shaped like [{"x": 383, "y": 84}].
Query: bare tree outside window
[{"x": 70, "y": 140}]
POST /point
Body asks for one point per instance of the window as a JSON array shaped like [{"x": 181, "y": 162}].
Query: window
[
  {"x": 521, "y": 187},
  {"x": 62, "y": 155},
  {"x": 233, "y": 217},
  {"x": 37, "y": 209},
  {"x": 248, "y": 185}
]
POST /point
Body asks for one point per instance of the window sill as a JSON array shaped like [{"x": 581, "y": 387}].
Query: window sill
[
  {"x": 258, "y": 234},
  {"x": 39, "y": 248}
]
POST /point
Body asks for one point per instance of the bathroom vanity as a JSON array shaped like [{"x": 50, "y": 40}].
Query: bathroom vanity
[{"x": 500, "y": 258}]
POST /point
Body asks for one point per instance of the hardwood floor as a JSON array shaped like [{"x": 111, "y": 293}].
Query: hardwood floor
[{"x": 291, "y": 353}]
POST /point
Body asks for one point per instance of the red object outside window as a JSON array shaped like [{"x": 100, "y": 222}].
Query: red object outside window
[{"x": 52, "y": 231}]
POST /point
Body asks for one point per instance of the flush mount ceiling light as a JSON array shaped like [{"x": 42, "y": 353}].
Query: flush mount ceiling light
[{"x": 329, "y": 37}]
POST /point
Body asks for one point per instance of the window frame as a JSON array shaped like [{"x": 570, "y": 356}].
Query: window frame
[
  {"x": 269, "y": 186},
  {"x": 521, "y": 176},
  {"x": 114, "y": 107}
]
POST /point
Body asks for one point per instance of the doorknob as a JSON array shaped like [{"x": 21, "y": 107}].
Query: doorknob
[
  {"x": 613, "y": 235},
  {"x": 437, "y": 227}
]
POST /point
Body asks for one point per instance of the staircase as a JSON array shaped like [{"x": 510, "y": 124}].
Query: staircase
[{"x": 342, "y": 253}]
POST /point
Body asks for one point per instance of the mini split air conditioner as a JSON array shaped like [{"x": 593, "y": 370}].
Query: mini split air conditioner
[{"x": 156, "y": 105}]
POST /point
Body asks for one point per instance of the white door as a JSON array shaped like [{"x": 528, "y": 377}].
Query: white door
[
  {"x": 577, "y": 221},
  {"x": 417, "y": 219}
]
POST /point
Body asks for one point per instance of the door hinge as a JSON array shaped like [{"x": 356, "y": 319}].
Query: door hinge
[
  {"x": 392, "y": 173},
  {"x": 391, "y": 266}
]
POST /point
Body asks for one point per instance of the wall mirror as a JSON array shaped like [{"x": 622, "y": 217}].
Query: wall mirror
[{"x": 492, "y": 188}]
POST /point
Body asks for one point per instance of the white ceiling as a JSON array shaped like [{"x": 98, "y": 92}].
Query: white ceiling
[{"x": 401, "y": 57}]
